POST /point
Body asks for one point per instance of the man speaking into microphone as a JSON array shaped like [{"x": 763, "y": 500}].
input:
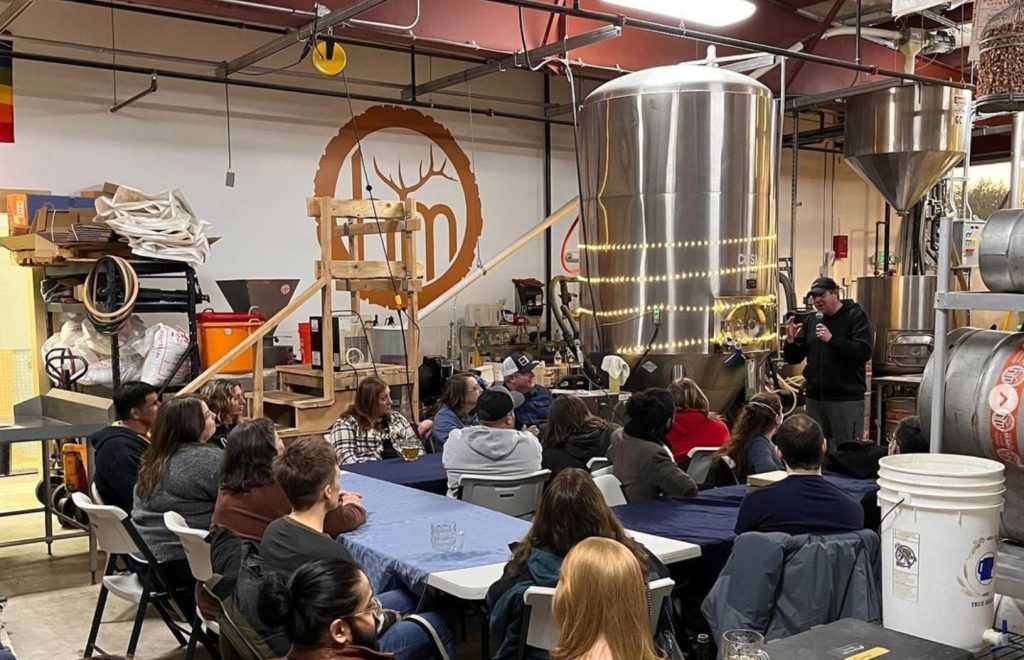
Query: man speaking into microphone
[{"x": 836, "y": 341}]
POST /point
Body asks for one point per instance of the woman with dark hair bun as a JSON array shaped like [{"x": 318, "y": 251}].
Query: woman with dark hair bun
[
  {"x": 640, "y": 457},
  {"x": 327, "y": 610},
  {"x": 250, "y": 499}
]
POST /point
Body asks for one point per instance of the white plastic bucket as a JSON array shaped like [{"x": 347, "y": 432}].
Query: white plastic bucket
[{"x": 939, "y": 537}]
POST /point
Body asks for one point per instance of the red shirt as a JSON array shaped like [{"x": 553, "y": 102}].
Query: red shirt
[{"x": 690, "y": 428}]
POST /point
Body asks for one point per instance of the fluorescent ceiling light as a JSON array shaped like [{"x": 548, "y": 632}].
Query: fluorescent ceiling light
[{"x": 716, "y": 13}]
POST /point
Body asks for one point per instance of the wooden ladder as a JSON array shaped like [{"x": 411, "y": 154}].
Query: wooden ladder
[{"x": 309, "y": 400}]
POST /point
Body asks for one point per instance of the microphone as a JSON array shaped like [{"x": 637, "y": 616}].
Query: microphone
[{"x": 818, "y": 316}]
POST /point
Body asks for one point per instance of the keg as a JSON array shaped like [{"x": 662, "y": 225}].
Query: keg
[
  {"x": 984, "y": 388},
  {"x": 1001, "y": 253}
]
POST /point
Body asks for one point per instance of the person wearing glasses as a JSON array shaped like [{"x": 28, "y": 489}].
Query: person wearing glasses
[
  {"x": 327, "y": 610},
  {"x": 308, "y": 474}
]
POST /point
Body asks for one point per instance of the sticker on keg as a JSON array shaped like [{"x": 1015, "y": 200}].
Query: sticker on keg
[
  {"x": 1003, "y": 397},
  {"x": 1013, "y": 375},
  {"x": 1004, "y": 406},
  {"x": 906, "y": 565}
]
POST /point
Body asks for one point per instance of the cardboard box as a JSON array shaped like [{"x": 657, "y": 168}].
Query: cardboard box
[{"x": 4, "y": 192}]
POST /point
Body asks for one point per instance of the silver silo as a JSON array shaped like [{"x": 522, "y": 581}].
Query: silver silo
[{"x": 680, "y": 239}]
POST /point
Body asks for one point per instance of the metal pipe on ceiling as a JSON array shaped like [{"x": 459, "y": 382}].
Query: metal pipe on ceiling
[
  {"x": 707, "y": 37},
  {"x": 254, "y": 84}
]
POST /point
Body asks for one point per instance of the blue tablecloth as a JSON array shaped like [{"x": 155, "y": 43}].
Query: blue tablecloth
[
  {"x": 425, "y": 473},
  {"x": 394, "y": 544},
  {"x": 709, "y": 518}
]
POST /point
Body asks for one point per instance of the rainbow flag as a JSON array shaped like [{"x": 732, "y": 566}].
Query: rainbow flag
[{"x": 6, "y": 93}]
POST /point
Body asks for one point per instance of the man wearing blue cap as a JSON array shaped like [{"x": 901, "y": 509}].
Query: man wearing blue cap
[{"x": 517, "y": 374}]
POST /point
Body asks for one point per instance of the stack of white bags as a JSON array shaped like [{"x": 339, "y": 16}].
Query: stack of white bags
[{"x": 161, "y": 226}]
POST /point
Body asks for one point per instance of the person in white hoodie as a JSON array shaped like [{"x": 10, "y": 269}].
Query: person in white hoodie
[{"x": 495, "y": 447}]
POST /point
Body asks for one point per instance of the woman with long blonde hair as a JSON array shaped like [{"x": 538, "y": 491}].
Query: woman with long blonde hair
[
  {"x": 226, "y": 400},
  {"x": 601, "y": 605}
]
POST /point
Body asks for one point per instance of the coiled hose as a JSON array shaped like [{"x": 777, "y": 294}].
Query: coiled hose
[{"x": 108, "y": 304}]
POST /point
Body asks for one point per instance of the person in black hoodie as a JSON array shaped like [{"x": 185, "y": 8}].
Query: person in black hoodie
[
  {"x": 573, "y": 436},
  {"x": 119, "y": 447},
  {"x": 836, "y": 342}
]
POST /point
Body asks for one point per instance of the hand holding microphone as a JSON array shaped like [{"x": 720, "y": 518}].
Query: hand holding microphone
[{"x": 822, "y": 332}]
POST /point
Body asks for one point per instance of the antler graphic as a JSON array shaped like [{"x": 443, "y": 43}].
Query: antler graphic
[{"x": 401, "y": 188}]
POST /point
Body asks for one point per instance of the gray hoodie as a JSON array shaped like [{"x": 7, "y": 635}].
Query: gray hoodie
[{"x": 488, "y": 451}]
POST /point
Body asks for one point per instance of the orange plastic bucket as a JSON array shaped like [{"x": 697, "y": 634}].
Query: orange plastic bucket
[
  {"x": 219, "y": 332},
  {"x": 305, "y": 343}
]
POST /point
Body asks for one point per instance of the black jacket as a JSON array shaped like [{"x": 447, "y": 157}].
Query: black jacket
[
  {"x": 577, "y": 451},
  {"x": 835, "y": 371},
  {"x": 118, "y": 456}
]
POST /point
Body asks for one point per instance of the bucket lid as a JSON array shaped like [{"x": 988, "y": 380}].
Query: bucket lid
[
  {"x": 229, "y": 317},
  {"x": 952, "y": 466}
]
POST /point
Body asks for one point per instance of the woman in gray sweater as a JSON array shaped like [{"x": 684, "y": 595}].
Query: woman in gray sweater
[{"x": 179, "y": 472}]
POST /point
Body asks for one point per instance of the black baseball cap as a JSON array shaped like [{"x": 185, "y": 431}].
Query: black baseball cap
[
  {"x": 496, "y": 403},
  {"x": 821, "y": 285}
]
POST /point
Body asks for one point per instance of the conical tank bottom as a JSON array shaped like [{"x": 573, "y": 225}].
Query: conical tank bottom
[{"x": 903, "y": 177}]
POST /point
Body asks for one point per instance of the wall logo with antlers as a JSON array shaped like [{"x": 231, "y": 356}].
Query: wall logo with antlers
[{"x": 444, "y": 267}]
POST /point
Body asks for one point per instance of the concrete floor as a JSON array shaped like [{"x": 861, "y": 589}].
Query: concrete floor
[{"x": 50, "y": 598}]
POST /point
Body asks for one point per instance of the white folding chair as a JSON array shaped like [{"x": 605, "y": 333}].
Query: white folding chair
[
  {"x": 516, "y": 495},
  {"x": 700, "y": 463},
  {"x": 540, "y": 630},
  {"x": 118, "y": 537},
  {"x": 603, "y": 471},
  {"x": 611, "y": 488},
  {"x": 597, "y": 463},
  {"x": 96, "y": 499},
  {"x": 197, "y": 552}
]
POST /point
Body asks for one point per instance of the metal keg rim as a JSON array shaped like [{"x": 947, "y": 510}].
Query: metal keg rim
[{"x": 996, "y": 103}]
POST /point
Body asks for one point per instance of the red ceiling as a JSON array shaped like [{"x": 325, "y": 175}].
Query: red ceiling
[{"x": 495, "y": 28}]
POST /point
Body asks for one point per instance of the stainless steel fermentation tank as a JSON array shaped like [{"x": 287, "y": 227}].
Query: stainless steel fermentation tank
[
  {"x": 679, "y": 243},
  {"x": 902, "y": 141}
]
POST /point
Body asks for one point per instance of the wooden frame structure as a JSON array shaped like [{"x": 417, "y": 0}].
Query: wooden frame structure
[{"x": 362, "y": 217}]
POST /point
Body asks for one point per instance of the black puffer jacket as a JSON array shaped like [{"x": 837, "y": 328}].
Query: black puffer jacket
[
  {"x": 577, "y": 451},
  {"x": 835, "y": 371}
]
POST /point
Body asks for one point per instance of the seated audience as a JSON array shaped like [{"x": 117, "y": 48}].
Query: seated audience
[
  {"x": 573, "y": 436},
  {"x": 327, "y": 610},
  {"x": 370, "y": 430},
  {"x": 179, "y": 472},
  {"x": 494, "y": 447},
  {"x": 457, "y": 403},
  {"x": 804, "y": 502},
  {"x": 571, "y": 510},
  {"x": 858, "y": 459},
  {"x": 640, "y": 459},
  {"x": 250, "y": 498},
  {"x": 227, "y": 401},
  {"x": 120, "y": 446},
  {"x": 517, "y": 375},
  {"x": 309, "y": 476},
  {"x": 693, "y": 425},
  {"x": 750, "y": 444},
  {"x": 601, "y": 605}
]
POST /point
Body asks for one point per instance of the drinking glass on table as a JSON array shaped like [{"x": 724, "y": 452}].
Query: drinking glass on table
[
  {"x": 445, "y": 536},
  {"x": 743, "y": 645},
  {"x": 409, "y": 448}
]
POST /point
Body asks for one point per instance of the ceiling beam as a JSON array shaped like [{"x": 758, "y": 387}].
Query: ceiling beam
[
  {"x": 809, "y": 47},
  {"x": 322, "y": 24},
  {"x": 515, "y": 60},
  {"x": 12, "y": 12}
]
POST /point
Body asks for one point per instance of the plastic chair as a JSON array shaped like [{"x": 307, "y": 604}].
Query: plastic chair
[
  {"x": 118, "y": 537},
  {"x": 699, "y": 463},
  {"x": 603, "y": 471},
  {"x": 540, "y": 631},
  {"x": 516, "y": 495},
  {"x": 197, "y": 552},
  {"x": 96, "y": 499},
  {"x": 597, "y": 463},
  {"x": 611, "y": 488}
]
